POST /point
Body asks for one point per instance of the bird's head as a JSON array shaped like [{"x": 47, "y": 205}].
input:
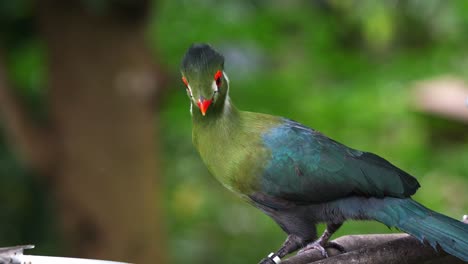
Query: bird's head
[{"x": 204, "y": 78}]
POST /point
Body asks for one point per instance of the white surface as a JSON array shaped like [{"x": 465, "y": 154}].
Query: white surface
[{"x": 29, "y": 259}]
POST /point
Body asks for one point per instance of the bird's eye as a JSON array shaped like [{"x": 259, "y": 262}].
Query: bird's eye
[
  {"x": 218, "y": 78},
  {"x": 185, "y": 81}
]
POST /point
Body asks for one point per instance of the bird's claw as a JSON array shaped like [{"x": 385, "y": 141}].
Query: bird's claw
[
  {"x": 336, "y": 246},
  {"x": 315, "y": 245},
  {"x": 318, "y": 246}
]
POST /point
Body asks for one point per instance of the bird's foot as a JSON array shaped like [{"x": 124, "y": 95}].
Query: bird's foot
[
  {"x": 318, "y": 245},
  {"x": 314, "y": 245},
  {"x": 271, "y": 259}
]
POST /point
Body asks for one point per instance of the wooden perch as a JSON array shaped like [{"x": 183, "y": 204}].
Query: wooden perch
[{"x": 378, "y": 249}]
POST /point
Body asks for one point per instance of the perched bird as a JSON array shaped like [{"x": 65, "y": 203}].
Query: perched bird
[{"x": 298, "y": 176}]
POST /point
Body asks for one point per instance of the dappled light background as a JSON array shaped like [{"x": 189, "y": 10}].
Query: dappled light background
[{"x": 346, "y": 68}]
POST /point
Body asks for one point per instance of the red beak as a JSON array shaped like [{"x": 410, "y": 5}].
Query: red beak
[{"x": 203, "y": 105}]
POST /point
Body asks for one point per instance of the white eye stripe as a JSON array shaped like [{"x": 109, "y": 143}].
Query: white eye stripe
[{"x": 214, "y": 87}]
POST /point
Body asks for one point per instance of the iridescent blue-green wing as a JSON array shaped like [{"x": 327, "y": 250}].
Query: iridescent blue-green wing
[{"x": 305, "y": 166}]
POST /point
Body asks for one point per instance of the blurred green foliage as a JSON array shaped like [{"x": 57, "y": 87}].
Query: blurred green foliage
[{"x": 344, "y": 67}]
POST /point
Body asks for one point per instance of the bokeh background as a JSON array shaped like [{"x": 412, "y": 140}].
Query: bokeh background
[{"x": 95, "y": 132}]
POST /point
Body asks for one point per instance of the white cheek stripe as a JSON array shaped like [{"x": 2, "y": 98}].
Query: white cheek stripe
[
  {"x": 191, "y": 98},
  {"x": 190, "y": 89},
  {"x": 225, "y": 77}
]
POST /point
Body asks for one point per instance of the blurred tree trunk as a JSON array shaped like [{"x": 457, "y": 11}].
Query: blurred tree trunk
[{"x": 101, "y": 84}]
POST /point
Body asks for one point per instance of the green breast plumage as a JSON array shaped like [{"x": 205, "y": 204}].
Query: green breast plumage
[{"x": 233, "y": 150}]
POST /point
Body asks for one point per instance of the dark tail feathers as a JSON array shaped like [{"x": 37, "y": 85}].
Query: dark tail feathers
[{"x": 426, "y": 225}]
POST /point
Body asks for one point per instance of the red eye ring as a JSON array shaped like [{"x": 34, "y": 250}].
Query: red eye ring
[
  {"x": 185, "y": 81},
  {"x": 218, "y": 78}
]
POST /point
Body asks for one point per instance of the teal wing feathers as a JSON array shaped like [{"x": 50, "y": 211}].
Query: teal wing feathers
[{"x": 305, "y": 166}]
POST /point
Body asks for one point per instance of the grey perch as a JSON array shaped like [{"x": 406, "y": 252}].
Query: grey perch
[
  {"x": 378, "y": 249},
  {"x": 8, "y": 254},
  {"x": 14, "y": 255}
]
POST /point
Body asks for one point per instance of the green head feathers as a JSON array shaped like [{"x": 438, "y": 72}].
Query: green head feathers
[{"x": 203, "y": 75}]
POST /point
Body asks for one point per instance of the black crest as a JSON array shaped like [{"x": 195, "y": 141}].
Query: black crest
[{"x": 201, "y": 56}]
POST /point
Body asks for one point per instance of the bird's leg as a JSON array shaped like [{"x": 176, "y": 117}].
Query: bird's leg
[
  {"x": 291, "y": 244},
  {"x": 322, "y": 242}
]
